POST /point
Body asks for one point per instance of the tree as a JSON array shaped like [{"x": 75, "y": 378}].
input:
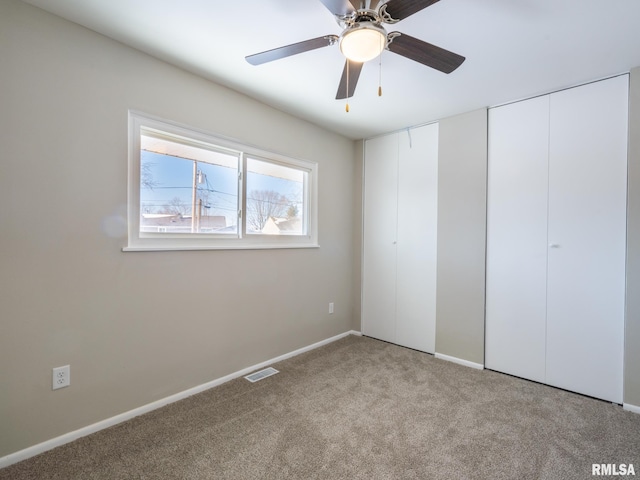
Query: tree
[
  {"x": 146, "y": 176},
  {"x": 262, "y": 204},
  {"x": 175, "y": 207},
  {"x": 292, "y": 211}
]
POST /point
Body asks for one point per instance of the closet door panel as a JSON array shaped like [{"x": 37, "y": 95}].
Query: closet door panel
[
  {"x": 587, "y": 225},
  {"x": 379, "y": 245},
  {"x": 517, "y": 238},
  {"x": 417, "y": 221}
]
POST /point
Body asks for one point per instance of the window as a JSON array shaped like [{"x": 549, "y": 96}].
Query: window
[{"x": 192, "y": 190}]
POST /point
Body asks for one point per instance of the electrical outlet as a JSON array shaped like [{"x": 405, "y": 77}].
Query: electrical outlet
[
  {"x": 61, "y": 377},
  {"x": 331, "y": 308}
]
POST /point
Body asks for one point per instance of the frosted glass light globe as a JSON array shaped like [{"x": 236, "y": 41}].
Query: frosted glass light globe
[{"x": 363, "y": 42}]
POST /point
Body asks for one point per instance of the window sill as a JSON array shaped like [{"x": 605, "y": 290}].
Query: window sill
[{"x": 221, "y": 247}]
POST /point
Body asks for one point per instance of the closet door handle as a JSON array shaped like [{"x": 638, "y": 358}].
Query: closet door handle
[{"x": 554, "y": 245}]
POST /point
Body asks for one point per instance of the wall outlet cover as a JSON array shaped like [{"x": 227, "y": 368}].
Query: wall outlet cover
[{"x": 61, "y": 377}]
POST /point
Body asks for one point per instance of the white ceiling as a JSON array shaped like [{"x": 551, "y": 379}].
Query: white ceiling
[{"x": 514, "y": 49}]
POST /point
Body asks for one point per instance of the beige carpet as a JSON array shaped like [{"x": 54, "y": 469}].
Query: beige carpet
[{"x": 358, "y": 409}]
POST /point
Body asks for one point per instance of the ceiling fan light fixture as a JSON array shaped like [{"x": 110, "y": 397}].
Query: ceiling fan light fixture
[{"x": 363, "y": 42}]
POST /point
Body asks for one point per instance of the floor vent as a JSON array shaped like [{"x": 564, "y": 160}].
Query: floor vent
[{"x": 267, "y": 372}]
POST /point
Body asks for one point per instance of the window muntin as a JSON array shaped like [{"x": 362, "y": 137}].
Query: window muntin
[{"x": 192, "y": 190}]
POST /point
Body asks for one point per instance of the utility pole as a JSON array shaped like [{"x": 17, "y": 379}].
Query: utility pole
[{"x": 193, "y": 197}]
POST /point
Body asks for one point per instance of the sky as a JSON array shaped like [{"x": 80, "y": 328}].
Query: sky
[{"x": 173, "y": 177}]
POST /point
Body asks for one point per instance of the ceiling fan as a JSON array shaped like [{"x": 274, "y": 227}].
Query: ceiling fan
[{"x": 364, "y": 37}]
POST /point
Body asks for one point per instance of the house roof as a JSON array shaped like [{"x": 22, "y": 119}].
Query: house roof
[
  {"x": 284, "y": 225},
  {"x": 213, "y": 222}
]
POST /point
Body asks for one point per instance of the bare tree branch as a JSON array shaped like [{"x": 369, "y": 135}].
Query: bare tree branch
[{"x": 262, "y": 204}]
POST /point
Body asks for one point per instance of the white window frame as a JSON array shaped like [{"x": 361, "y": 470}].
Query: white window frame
[{"x": 158, "y": 242}]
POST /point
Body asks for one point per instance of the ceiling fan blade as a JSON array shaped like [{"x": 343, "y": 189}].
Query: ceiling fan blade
[
  {"x": 395, "y": 10},
  {"x": 374, "y": 4},
  {"x": 354, "y": 73},
  {"x": 423, "y": 52},
  {"x": 339, "y": 7},
  {"x": 293, "y": 49}
]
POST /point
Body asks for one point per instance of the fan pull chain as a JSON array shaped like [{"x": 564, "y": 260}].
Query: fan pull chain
[
  {"x": 346, "y": 108},
  {"x": 380, "y": 69}
]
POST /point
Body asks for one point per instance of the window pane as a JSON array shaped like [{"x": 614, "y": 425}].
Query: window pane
[
  {"x": 276, "y": 199},
  {"x": 187, "y": 188}
]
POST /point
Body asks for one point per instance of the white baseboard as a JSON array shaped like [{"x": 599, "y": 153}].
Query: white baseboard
[
  {"x": 631, "y": 408},
  {"x": 109, "y": 422},
  {"x": 459, "y": 361}
]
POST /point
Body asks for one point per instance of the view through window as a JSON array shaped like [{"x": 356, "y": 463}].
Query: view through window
[
  {"x": 187, "y": 188},
  {"x": 275, "y": 199},
  {"x": 191, "y": 190}
]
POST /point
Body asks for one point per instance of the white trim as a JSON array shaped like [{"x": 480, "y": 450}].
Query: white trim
[
  {"x": 631, "y": 408},
  {"x": 222, "y": 247},
  {"x": 459, "y": 361},
  {"x": 123, "y": 417}
]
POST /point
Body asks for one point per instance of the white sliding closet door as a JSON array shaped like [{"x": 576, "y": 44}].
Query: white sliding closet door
[
  {"x": 517, "y": 238},
  {"x": 379, "y": 246},
  {"x": 587, "y": 227},
  {"x": 417, "y": 238}
]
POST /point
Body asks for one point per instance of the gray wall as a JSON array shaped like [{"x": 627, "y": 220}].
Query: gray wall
[
  {"x": 462, "y": 193},
  {"x": 632, "y": 332},
  {"x": 138, "y": 327},
  {"x": 358, "y": 231}
]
